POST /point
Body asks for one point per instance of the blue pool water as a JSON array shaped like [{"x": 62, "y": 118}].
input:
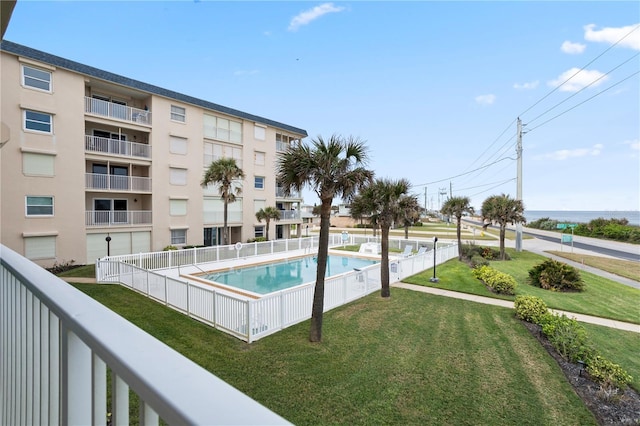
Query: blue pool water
[{"x": 267, "y": 278}]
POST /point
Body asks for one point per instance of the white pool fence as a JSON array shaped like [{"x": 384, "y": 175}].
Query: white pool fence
[{"x": 248, "y": 318}]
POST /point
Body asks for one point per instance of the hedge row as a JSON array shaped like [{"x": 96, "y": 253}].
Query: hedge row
[{"x": 498, "y": 281}]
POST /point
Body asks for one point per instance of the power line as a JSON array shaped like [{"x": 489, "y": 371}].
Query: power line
[
  {"x": 462, "y": 174},
  {"x": 493, "y": 187},
  {"x": 585, "y": 101},
  {"x": 487, "y": 184}
]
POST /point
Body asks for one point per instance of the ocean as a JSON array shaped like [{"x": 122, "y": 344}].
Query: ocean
[{"x": 568, "y": 216}]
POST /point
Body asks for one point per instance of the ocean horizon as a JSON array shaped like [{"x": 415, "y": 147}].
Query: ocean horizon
[{"x": 583, "y": 216}]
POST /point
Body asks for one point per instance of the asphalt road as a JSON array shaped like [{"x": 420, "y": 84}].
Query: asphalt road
[{"x": 598, "y": 249}]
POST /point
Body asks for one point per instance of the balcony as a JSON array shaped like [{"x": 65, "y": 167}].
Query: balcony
[
  {"x": 116, "y": 147},
  {"x": 109, "y": 218},
  {"x": 117, "y": 183},
  {"x": 119, "y": 112},
  {"x": 280, "y": 193},
  {"x": 282, "y": 146},
  {"x": 59, "y": 347},
  {"x": 289, "y": 215}
]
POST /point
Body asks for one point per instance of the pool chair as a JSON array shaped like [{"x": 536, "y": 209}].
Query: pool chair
[
  {"x": 421, "y": 250},
  {"x": 407, "y": 251}
]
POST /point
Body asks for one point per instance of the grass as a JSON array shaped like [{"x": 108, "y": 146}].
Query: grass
[
  {"x": 602, "y": 297},
  {"x": 413, "y": 359},
  {"x": 623, "y": 268},
  {"x": 86, "y": 271}
]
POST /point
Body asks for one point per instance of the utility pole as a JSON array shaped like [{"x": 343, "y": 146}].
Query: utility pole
[
  {"x": 519, "y": 184},
  {"x": 450, "y": 190},
  {"x": 426, "y": 208}
]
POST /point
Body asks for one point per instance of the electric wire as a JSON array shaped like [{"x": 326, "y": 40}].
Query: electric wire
[{"x": 462, "y": 174}]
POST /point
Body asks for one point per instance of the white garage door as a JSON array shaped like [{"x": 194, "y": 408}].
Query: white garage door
[
  {"x": 140, "y": 242},
  {"x": 96, "y": 247}
]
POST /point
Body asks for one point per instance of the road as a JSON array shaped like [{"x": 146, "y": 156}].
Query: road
[{"x": 578, "y": 244}]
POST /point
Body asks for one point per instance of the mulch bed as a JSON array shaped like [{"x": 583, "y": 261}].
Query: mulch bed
[{"x": 620, "y": 409}]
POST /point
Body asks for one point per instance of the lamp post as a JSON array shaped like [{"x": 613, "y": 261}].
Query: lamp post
[
  {"x": 434, "y": 279},
  {"x": 307, "y": 230},
  {"x": 108, "y": 240}
]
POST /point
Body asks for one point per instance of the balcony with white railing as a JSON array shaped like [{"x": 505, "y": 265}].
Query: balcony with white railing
[
  {"x": 280, "y": 193},
  {"x": 117, "y": 183},
  {"x": 109, "y": 218},
  {"x": 289, "y": 215},
  {"x": 116, "y": 147},
  {"x": 59, "y": 347},
  {"x": 113, "y": 110},
  {"x": 282, "y": 146}
]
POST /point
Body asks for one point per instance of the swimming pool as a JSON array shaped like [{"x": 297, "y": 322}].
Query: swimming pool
[{"x": 267, "y": 278}]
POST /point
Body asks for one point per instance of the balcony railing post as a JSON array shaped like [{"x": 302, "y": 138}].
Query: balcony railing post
[{"x": 76, "y": 379}]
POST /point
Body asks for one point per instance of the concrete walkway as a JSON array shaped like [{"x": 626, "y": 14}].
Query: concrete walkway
[{"x": 509, "y": 304}]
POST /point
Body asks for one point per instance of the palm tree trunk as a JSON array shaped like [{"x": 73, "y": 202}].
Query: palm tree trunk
[
  {"x": 315, "y": 333},
  {"x": 225, "y": 232},
  {"x": 458, "y": 232},
  {"x": 406, "y": 232},
  {"x": 267, "y": 220},
  {"x": 503, "y": 232},
  {"x": 384, "y": 261}
]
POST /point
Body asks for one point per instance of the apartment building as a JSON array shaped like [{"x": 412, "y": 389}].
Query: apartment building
[{"x": 89, "y": 156}]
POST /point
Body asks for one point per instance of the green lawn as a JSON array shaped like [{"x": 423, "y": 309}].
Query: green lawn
[
  {"x": 602, "y": 297},
  {"x": 413, "y": 359}
]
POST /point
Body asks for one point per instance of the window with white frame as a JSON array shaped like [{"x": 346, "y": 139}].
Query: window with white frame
[
  {"x": 258, "y": 158},
  {"x": 177, "y": 176},
  {"x": 38, "y": 205},
  {"x": 36, "y": 78},
  {"x": 258, "y": 231},
  {"x": 178, "y": 207},
  {"x": 216, "y": 151},
  {"x": 259, "y": 182},
  {"x": 178, "y": 145},
  {"x": 259, "y": 132},
  {"x": 178, "y": 237},
  {"x": 40, "y": 247},
  {"x": 222, "y": 129},
  {"x": 38, "y": 121},
  {"x": 36, "y": 164},
  {"x": 178, "y": 113}
]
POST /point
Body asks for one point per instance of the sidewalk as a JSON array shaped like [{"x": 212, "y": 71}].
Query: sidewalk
[{"x": 508, "y": 304}]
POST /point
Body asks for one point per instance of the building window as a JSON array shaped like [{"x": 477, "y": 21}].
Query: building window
[
  {"x": 259, "y": 132},
  {"x": 178, "y": 207},
  {"x": 178, "y": 237},
  {"x": 177, "y": 176},
  {"x": 259, "y": 158},
  {"x": 222, "y": 129},
  {"x": 178, "y": 113},
  {"x": 34, "y": 164},
  {"x": 259, "y": 182},
  {"x": 216, "y": 151},
  {"x": 43, "y": 247},
  {"x": 39, "y": 206},
  {"x": 36, "y": 78},
  {"x": 177, "y": 145},
  {"x": 38, "y": 121},
  {"x": 258, "y": 231}
]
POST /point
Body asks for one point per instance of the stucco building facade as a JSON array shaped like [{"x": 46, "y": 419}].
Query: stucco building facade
[{"x": 87, "y": 154}]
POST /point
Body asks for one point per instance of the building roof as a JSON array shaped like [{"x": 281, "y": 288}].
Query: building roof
[{"x": 27, "y": 52}]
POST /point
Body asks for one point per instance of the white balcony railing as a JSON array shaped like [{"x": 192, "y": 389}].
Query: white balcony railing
[
  {"x": 117, "y": 217},
  {"x": 289, "y": 215},
  {"x": 117, "y": 183},
  {"x": 280, "y": 193},
  {"x": 116, "y": 147},
  {"x": 58, "y": 347},
  {"x": 117, "y": 111},
  {"x": 282, "y": 146}
]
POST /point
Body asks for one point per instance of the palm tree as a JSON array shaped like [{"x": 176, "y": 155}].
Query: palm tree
[
  {"x": 224, "y": 172},
  {"x": 457, "y": 206},
  {"x": 409, "y": 212},
  {"x": 332, "y": 168},
  {"x": 267, "y": 214},
  {"x": 384, "y": 198},
  {"x": 502, "y": 209}
]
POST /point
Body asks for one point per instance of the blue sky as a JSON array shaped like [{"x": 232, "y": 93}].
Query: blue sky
[{"x": 434, "y": 88}]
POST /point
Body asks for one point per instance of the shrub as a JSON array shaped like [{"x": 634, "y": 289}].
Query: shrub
[
  {"x": 477, "y": 260},
  {"x": 567, "y": 336},
  {"x": 498, "y": 281},
  {"x": 170, "y": 247},
  {"x": 608, "y": 374},
  {"x": 557, "y": 276},
  {"x": 64, "y": 266},
  {"x": 530, "y": 308}
]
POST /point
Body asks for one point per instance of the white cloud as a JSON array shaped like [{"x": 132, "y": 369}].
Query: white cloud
[
  {"x": 578, "y": 79},
  {"x": 633, "y": 144},
  {"x": 612, "y": 35},
  {"x": 485, "y": 99},
  {"x": 572, "y": 48},
  {"x": 306, "y": 17},
  {"x": 564, "y": 154},
  {"x": 526, "y": 86}
]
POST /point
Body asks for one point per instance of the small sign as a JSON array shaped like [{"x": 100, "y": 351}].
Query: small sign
[
  {"x": 561, "y": 226},
  {"x": 566, "y": 238},
  {"x": 572, "y": 225}
]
